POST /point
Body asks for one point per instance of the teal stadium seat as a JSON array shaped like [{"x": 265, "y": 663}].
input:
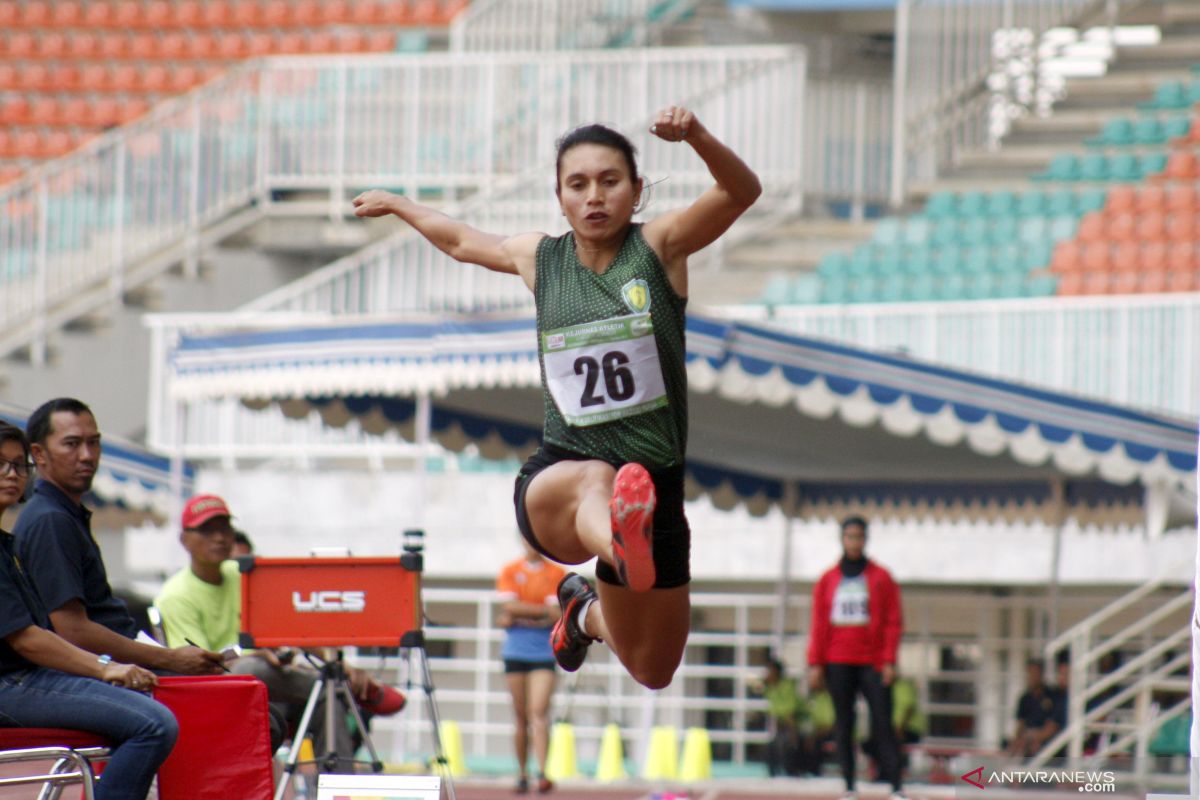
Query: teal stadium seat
[
  {"x": 922, "y": 287},
  {"x": 972, "y": 204},
  {"x": 952, "y": 287},
  {"x": 1002, "y": 204},
  {"x": 1063, "y": 227},
  {"x": 1032, "y": 203},
  {"x": 1033, "y": 229},
  {"x": 941, "y": 205},
  {"x": 806, "y": 289},
  {"x": 1061, "y": 202},
  {"x": 862, "y": 262},
  {"x": 1090, "y": 200},
  {"x": 981, "y": 286},
  {"x": 777, "y": 292},
  {"x": 888, "y": 231},
  {"x": 1124, "y": 167},
  {"x": 1041, "y": 286},
  {"x": 1010, "y": 284},
  {"x": 978, "y": 261},
  {"x": 835, "y": 290},
  {"x": 1004, "y": 230},
  {"x": 917, "y": 260},
  {"x": 917, "y": 231},
  {"x": 1169, "y": 95},
  {"x": 1037, "y": 256},
  {"x": 945, "y": 232},
  {"x": 1011, "y": 257},
  {"x": 1148, "y": 130},
  {"x": 1094, "y": 167},
  {"x": 1116, "y": 132},
  {"x": 1176, "y": 128},
  {"x": 947, "y": 261},
  {"x": 1064, "y": 167},
  {"x": 864, "y": 290},
  {"x": 893, "y": 289},
  {"x": 887, "y": 261},
  {"x": 975, "y": 232},
  {"x": 834, "y": 264},
  {"x": 1152, "y": 164}
]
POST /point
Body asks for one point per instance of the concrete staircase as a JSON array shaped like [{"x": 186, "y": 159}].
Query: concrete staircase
[{"x": 1088, "y": 104}]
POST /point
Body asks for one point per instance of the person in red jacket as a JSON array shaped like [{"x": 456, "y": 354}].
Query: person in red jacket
[{"x": 856, "y": 626}]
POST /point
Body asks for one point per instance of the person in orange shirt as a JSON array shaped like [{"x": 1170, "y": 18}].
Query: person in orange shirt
[{"x": 528, "y": 589}]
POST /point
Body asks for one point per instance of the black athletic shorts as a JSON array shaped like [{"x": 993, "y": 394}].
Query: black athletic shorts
[
  {"x": 514, "y": 667},
  {"x": 672, "y": 537}
]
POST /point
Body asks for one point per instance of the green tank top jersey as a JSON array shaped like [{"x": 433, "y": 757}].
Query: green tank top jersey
[{"x": 590, "y": 377}]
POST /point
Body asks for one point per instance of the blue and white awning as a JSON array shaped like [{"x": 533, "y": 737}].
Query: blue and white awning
[
  {"x": 767, "y": 408},
  {"x": 130, "y": 477}
]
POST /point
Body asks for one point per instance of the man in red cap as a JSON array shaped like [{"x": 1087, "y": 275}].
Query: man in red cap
[
  {"x": 55, "y": 543},
  {"x": 201, "y": 604}
]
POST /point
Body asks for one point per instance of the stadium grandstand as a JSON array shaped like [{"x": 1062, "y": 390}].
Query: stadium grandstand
[{"x": 966, "y": 307}]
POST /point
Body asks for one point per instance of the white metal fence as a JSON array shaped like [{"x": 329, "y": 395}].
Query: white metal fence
[
  {"x": 507, "y": 25},
  {"x": 745, "y": 95},
  {"x": 1142, "y": 351},
  {"x": 945, "y": 51},
  {"x": 964, "y": 650}
]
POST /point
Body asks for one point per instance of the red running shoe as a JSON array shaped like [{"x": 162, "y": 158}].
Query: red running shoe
[
  {"x": 570, "y": 644},
  {"x": 383, "y": 701},
  {"x": 632, "y": 507}
]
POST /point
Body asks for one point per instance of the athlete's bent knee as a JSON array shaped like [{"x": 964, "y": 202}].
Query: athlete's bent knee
[{"x": 652, "y": 675}]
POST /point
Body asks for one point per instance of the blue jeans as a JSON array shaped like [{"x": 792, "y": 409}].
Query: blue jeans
[{"x": 141, "y": 729}]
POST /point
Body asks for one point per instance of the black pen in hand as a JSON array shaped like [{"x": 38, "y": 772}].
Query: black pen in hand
[{"x": 193, "y": 644}]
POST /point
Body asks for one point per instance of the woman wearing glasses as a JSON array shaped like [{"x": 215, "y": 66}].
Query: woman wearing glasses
[{"x": 47, "y": 682}]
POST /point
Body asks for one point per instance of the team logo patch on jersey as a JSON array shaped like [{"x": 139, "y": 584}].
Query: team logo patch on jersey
[{"x": 636, "y": 295}]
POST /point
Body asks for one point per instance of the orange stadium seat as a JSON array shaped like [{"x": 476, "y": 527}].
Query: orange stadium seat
[
  {"x": 275, "y": 14},
  {"x": 1150, "y": 198},
  {"x": 230, "y": 45},
  {"x": 1121, "y": 198},
  {"x": 172, "y": 46},
  {"x": 366, "y": 12},
  {"x": 113, "y": 45},
  {"x": 51, "y": 44},
  {"x": 8, "y": 76},
  {"x": 1183, "y": 281},
  {"x": 184, "y": 77},
  {"x": 8, "y": 174},
  {"x": 157, "y": 15},
  {"x": 21, "y": 44},
  {"x": 155, "y": 79},
  {"x": 1181, "y": 257},
  {"x": 67, "y": 14},
  {"x": 202, "y": 45},
  {"x": 143, "y": 45},
  {"x": 216, "y": 14},
  {"x": 127, "y": 15},
  {"x": 1122, "y": 227},
  {"x": 349, "y": 41},
  {"x": 33, "y": 77},
  {"x": 245, "y": 14},
  {"x": 98, "y": 15},
  {"x": 35, "y": 14},
  {"x": 1071, "y": 283},
  {"x": 306, "y": 13},
  {"x": 425, "y": 12},
  {"x": 82, "y": 44},
  {"x": 380, "y": 41},
  {"x": 1153, "y": 257},
  {"x": 1092, "y": 227},
  {"x": 1153, "y": 282},
  {"x": 74, "y": 112},
  {"x": 335, "y": 12},
  {"x": 1182, "y": 227},
  {"x": 1096, "y": 257},
  {"x": 288, "y": 43},
  {"x": 1151, "y": 226},
  {"x": 1066, "y": 257},
  {"x": 93, "y": 77},
  {"x": 1127, "y": 257},
  {"x": 259, "y": 43},
  {"x": 122, "y": 78},
  {"x": 185, "y": 15},
  {"x": 64, "y": 78},
  {"x": 319, "y": 42},
  {"x": 15, "y": 111},
  {"x": 43, "y": 110},
  {"x": 396, "y": 12},
  {"x": 1182, "y": 165},
  {"x": 9, "y": 13},
  {"x": 1181, "y": 197},
  {"x": 1097, "y": 282}
]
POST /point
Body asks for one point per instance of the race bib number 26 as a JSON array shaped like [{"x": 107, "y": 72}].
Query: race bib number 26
[{"x": 603, "y": 371}]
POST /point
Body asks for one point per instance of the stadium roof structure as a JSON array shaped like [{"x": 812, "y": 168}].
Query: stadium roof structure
[
  {"x": 131, "y": 479},
  {"x": 775, "y": 418}
]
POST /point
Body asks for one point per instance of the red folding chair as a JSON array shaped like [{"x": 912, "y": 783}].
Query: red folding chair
[{"x": 72, "y": 753}]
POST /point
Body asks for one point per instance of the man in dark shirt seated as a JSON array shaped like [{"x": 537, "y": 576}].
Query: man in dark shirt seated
[
  {"x": 54, "y": 541},
  {"x": 1040, "y": 714}
]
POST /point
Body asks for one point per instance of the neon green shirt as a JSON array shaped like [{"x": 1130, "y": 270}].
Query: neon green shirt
[
  {"x": 904, "y": 703},
  {"x": 194, "y": 609}
]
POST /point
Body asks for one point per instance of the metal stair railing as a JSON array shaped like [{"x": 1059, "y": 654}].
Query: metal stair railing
[
  {"x": 1142, "y": 671},
  {"x": 945, "y": 54},
  {"x": 744, "y": 94}
]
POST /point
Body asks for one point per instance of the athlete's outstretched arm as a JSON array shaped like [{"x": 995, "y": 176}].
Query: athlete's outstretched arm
[
  {"x": 513, "y": 255},
  {"x": 681, "y": 233}
]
